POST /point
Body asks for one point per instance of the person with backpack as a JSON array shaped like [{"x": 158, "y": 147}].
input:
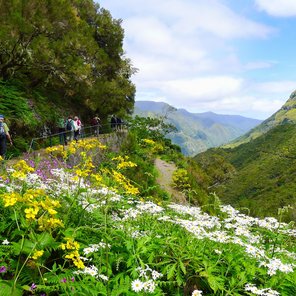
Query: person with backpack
[
  {"x": 4, "y": 136},
  {"x": 70, "y": 128},
  {"x": 77, "y": 127},
  {"x": 62, "y": 131}
]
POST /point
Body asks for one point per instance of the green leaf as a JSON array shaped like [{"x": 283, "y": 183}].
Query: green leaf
[
  {"x": 183, "y": 268},
  {"x": 44, "y": 240},
  {"x": 6, "y": 288},
  {"x": 171, "y": 271}
]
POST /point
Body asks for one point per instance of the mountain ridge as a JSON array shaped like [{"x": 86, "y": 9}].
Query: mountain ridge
[
  {"x": 287, "y": 113},
  {"x": 197, "y": 131}
]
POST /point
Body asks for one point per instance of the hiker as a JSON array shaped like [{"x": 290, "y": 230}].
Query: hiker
[
  {"x": 62, "y": 131},
  {"x": 113, "y": 122},
  {"x": 70, "y": 128},
  {"x": 95, "y": 123},
  {"x": 77, "y": 127},
  {"x": 4, "y": 135},
  {"x": 119, "y": 123}
]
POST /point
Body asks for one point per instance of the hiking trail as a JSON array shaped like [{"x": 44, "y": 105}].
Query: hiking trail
[{"x": 164, "y": 179}]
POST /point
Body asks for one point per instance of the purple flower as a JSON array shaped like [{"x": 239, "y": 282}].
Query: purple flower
[
  {"x": 64, "y": 280},
  {"x": 33, "y": 286},
  {"x": 73, "y": 279},
  {"x": 2, "y": 269}
]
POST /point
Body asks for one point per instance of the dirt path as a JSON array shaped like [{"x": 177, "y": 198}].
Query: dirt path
[{"x": 165, "y": 170}]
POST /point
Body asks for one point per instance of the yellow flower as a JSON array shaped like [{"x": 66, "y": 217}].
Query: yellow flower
[
  {"x": 148, "y": 141},
  {"x": 79, "y": 264},
  {"x": 56, "y": 150},
  {"x": 82, "y": 173},
  {"x": 31, "y": 213},
  {"x": 54, "y": 222},
  {"x": 23, "y": 166},
  {"x": 70, "y": 244},
  {"x": 51, "y": 211},
  {"x": 96, "y": 177},
  {"x": 18, "y": 175},
  {"x": 10, "y": 199},
  {"x": 37, "y": 254}
]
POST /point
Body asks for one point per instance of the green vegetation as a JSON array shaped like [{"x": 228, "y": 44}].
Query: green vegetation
[
  {"x": 259, "y": 175},
  {"x": 85, "y": 221},
  {"x": 60, "y": 58}
]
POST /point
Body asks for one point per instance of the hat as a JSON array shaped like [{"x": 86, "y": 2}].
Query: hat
[{"x": 1, "y": 116}]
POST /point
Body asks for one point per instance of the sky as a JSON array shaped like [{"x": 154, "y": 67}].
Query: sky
[{"x": 233, "y": 57}]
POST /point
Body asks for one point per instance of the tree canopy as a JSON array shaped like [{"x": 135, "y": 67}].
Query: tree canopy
[{"x": 71, "y": 47}]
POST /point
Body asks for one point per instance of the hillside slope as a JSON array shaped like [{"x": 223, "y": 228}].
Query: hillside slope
[
  {"x": 264, "y": 172},
  {"x": 286, "y": 114},
  {"x": 197, "y": 131}
]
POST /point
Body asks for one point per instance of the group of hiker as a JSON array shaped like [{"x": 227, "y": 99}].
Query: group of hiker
[
  {"x": 69, "y": 129},
  {"x": 116, "y": 123}
]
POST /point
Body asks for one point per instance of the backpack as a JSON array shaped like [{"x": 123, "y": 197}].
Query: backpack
[
  {"x": 69, "y": 125},
  {"x": 2, "y": 131}
]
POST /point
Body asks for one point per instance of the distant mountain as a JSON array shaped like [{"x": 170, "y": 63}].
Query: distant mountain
[
  {"x": 286, "y": 114},
  {"x": 197, "y": 131}
]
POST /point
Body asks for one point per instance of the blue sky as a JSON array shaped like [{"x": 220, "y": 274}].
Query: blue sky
[{"x": 224, "y": 56}]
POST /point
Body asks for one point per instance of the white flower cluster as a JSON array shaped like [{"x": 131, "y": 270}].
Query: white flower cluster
[
  {"x": 148, "y": 286},
  {"x": 203, "y": 219},
  {"x": 95, "y": 247},
  {"x": 149, "y": 207},
  {"x": 5, "y": 242},
  {"x": 92, "y": 271},
  {"x": 236, "y": 228},
  {"x": 148, "y": 272},
  {"x": 276, "y": 264},
  {"x": 141, "y": 208},
  {"x": 138, "y": 234},
  {"x": 263, "y": 292},
  {"x": 196, "y": 293},
  {"x": 92, "y": 199},
  {"x": 149, "y": 277}
]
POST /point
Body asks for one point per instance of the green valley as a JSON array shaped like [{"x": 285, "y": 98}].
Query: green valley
[{"x": 259, "y": 175}]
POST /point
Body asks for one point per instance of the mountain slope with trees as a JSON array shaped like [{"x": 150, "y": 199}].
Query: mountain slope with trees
[
  {"x": 59, "y": 58},
  {"x": 259, "y": 175}
]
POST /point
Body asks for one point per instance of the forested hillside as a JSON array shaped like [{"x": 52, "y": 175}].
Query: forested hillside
[
  {"x": 259, "y": 175},
  {"x": 59, "y": 58}
]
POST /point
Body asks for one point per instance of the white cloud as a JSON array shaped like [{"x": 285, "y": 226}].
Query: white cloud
[
  {"x": 280, "y": 8},
  {"x": 202, "y": 89},
  {"x": 254, "y": 65},
  {"x": 276, "y": 87},
  {"x": 245, "y": 105},
  {"x": 222, "y": 94},
  {"x": 188, "y": 55}
]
